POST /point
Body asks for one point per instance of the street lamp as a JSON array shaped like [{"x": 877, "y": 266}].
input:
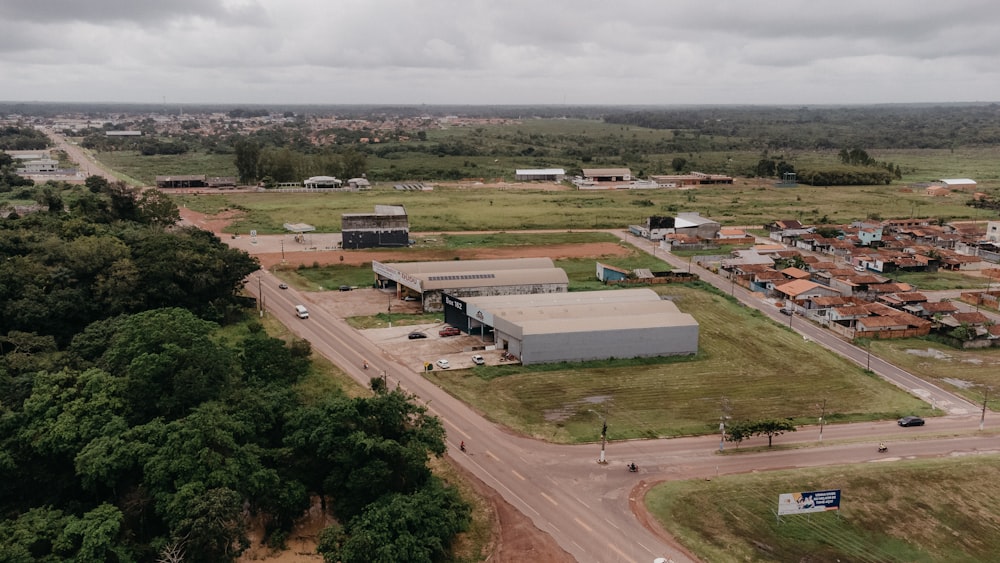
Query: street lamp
[{"x": 822, "y": 416}]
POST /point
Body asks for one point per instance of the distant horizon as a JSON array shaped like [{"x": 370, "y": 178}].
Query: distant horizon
[{"x": 169, "y": 104}]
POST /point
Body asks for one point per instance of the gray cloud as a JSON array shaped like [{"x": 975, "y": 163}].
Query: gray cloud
[{"x": 516, "y": 51}]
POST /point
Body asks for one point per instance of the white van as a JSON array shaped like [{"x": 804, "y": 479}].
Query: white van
[{"x": 301, "y": 312}]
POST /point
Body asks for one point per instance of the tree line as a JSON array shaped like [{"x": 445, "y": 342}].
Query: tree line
[{"x": 144, "y": 416}]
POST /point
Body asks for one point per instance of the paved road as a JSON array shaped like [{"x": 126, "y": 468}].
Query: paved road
[
  {"x": 586, "y": 506},
  {"x": 87, "y": 163}
]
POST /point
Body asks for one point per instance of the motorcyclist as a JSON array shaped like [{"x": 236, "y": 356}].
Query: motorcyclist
[
  {"x": 365, "y": 364},
  {"x": 632, "y": 467},
  {"x": 882, "y": 447},
  {"x": 462, "y": 446}
]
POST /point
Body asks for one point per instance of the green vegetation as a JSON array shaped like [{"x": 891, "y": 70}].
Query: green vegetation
[
  {"x": 146, "y": 168},
  {"x": 940, "y": 280},
  {"x": 921, "y": 511},
  {"x": 745, "y": 360},
  {"x": 134, "y": 427},
  {"x": 500, "y": 240},
  {"x": 966, "y": 372},
  {"x": 457, "y": 209}
]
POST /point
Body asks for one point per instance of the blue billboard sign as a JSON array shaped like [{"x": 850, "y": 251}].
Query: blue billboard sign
[{"x": 805, "y": 503}]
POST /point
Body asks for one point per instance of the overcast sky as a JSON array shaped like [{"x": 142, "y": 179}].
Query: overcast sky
[{"x": 500, "y": 52}]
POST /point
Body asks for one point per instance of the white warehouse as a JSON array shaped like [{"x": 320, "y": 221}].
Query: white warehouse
[{"x": 577, "y": 326}]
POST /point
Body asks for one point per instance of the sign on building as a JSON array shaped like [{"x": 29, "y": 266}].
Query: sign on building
[{"x": 805, "y": 503}]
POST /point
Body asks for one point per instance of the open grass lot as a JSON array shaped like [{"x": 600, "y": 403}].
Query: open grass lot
[
  {"x": 940, "y": 280},
  {"x": 966, "y": 372},
  {"x": 756, "y": 364},
  {"x": 145, "y": 169},
  {"x": 456, "y": 208},
  {"x": 914, "y": 511}
]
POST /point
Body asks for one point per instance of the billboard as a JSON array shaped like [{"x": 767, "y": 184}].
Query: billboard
[{"x": 804, "y": 503}]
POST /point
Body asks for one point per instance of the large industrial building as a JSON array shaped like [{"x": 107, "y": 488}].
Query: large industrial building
[
  {"x": 578, "y": 326},
  {"x": 429, "y": 281},
  {"x": 388, "y": 226}
]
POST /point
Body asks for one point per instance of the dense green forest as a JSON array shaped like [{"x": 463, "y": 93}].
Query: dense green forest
[{"x": 145, "y": 417}]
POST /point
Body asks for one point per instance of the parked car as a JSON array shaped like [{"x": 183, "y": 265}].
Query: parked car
[
  {"x": 443, "y": 364},
  {"x": 416, "y": 335},
  {"x": 449, "y": 331},
  {"x": 282, "y": 286},
  {"x": 478, "y": 360},
  {"x": 346, "y": 288},
  {"x": 410, "y": 298},
  {"x": 911, "y": 421}
]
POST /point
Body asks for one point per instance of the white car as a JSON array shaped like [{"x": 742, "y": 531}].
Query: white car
[
  {"x": 478, "y": 360},
  {"x": 443, "y": 364}
]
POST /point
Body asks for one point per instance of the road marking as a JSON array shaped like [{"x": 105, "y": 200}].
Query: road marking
[
  {"x": 518, "y": 475},
  {"x": 550, "y": 499},
  {"x": 489, "y": 453},
  {"x": 584, "y": 526},
  {"x": 644, "y": 547},
  {"x": 612, "y": 523},
  {"x": 581, "y": 502},
  {"x": 620, "y": 552}
]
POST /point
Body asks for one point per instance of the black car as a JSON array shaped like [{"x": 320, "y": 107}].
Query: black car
[
  {"x": 416, "y": 335},
  {"x": 346, "y": 288},
  {"x": 911, "y": 421}
]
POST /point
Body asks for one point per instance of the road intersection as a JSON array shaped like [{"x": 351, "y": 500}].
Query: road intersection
[{"x": 587, "y": 507}]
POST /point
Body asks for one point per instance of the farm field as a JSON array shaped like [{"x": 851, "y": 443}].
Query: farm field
[
  {"x": 919, "y": 511},
  {"x": 745, "y": 360},
  {"x": 463, "y": 208}
]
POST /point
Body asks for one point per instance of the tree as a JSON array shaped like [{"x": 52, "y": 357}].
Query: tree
[
  {"x": 739, "y": 431},
  {"x": 416, "y": 527},
  {"x": 168, "y": 362},
  {"x": 96, "y": 184},
  {"x": 358, "y": 449},
  {"x": 772, "y": 428},
  {"x": 678, "y": 164},
  {"x": 247, "y": 159}
]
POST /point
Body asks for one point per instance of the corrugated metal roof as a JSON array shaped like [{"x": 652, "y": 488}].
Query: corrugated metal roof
[
  {"x": 540, "y": 172},
  {"x": 498, "y": 278}
]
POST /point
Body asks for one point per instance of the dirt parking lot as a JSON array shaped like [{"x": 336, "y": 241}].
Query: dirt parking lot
[{"x": 395, "y": 341}]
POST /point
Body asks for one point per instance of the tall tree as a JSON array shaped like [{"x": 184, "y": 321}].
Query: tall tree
[{"x": 247, "y": 159}]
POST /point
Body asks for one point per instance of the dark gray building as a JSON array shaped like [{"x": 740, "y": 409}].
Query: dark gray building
[{"x": 388, "y": 226}]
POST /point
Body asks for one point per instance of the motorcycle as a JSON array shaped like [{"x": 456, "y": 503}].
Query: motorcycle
[
  {"x": 883, "y": 448},
  {"x": 632, "y": 468}
]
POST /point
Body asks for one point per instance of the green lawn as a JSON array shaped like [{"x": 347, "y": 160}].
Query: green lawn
[
  {"x": 761, "y": 368},
  {"x": 917, "y": 511}
]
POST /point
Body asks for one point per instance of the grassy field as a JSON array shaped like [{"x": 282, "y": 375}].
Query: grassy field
[
  {"x": 914, "y": 511},
  {"x": 145, "y": 169},
  {"x": 940, "y": 280},
  {"x": 966, "y": 372},
  {"x": 744, "y": 358},
  {"x": 460, "y": 209}
]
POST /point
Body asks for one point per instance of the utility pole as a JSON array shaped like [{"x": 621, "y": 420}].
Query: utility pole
[
  {"x": 604, "y": 439},
  {"x": 982, "y": 417},
  {"x": 821, "y": 422},
  {"x": 260, "y": 297}
]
